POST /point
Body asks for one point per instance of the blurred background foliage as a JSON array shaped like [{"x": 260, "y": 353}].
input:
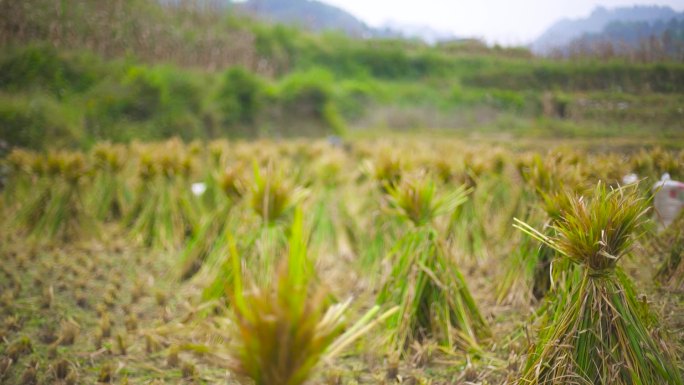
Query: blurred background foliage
[{"x": 73, "y": 73}]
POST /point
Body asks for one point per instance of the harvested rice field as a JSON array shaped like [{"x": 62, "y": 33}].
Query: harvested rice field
[{"x": 369, "y": 261}]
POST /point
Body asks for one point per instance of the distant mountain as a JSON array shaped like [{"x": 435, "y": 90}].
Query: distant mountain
[
  {"x": 319, "y": 16},
  {"x": 309, "y": 14},
  {"x": 649, "y": 41},
  {"x": 312, "y": 15},
  {"x": 565, "y": 31}
]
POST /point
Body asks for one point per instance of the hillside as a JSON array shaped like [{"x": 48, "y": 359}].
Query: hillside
[
  {"x": 309, "y": 14},
  {"x": 139, "y": 70},
  {"x": 640, "y": 40},
  {"x": 563, "y": 32},
  {"x": 318, "y": 16}
]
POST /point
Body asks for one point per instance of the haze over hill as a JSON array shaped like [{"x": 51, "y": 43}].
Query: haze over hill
[
  {"x": 617, "y": 25},
  {"x": 312, "y": 15},
  {"x": 625, "y": 27},
  {"x": 622, "y": 28},
  {"x": 320, "y": 16}
]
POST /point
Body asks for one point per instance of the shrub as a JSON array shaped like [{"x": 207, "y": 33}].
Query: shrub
[
  {"x": 42, "y": 67},
  {"x": 240, "y": 97},
  {"x": 148, "y": 103},
  {"x": 135, "y": 99},
  {"x": 355, "y": 97},
  {"x": 385, "y": 59},
  {"x": 507, "y": 99},
  {"x": 310, "y": 95},
  {"x": 32, "y": 123},
  {"x": 277, "y": 44},
  {"x": 583, "y": 77}
]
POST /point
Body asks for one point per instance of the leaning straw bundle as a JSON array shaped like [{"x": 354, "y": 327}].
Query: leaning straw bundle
[{"x": 600, "y": 336}]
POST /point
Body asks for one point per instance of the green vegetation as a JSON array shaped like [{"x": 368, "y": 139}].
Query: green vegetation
[
  {"x": 171, "y": 213},
  {"x": 73, "y": 86}
]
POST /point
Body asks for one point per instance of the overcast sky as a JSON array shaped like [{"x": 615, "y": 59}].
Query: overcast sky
[{"x": 501, "y": 21}]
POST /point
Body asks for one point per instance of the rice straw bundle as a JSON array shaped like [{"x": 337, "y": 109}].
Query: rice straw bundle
[
  {"x": 600, "y": 336},
  {"x": 209, "y": 243},
  {"x": 285, "y": 328},
  {"x": 164, "y": 211},
  {"x": 109, "y": 196},
  {"x": 425, "y": 282}
]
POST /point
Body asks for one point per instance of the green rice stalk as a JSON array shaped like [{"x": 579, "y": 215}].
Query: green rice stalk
[
  {"x": 467, "y": 231},
  {"x": 371, "y": 232},
  {"x": 272, "y": 197},
  {"x": 550, "y": 179},
  {"x": 324, "y": 229},
  {"x": 284, "y": 329},
  {"x": 385, "y": 171},
  {"x": 109, "y": 195},
  {"x": 513, "y": 287},
  {"x": 210, "y": 238},
  {"x": 258, "y": 244}
]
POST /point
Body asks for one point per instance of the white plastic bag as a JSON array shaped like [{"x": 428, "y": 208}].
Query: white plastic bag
[{"x": 668, "y": 200}]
